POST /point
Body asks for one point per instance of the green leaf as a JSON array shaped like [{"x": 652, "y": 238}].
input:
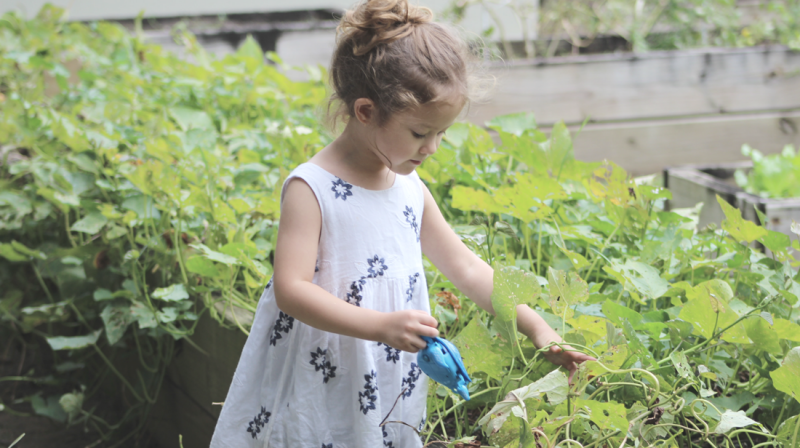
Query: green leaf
[
  {"x": 643, "y": 277},
  {"x": 250, "y": 48},
  {"x": 73, "y": 342},
  {"x": 786, "y": 329},
  {"x": 681, "y": 364},
  {"x": 513, "y": 287},
  {"x": 470, "y": 199},
  {"x": 168, "y": 314},
  {"x": 776, "y": 241},
  {"x": 786, "y": 378},
  {"x": 91, "y": 223},
  {"x": 733, "y": 419},
  {"x": 24, "y": 250},
  {"x": 102, "y": 294},
  {"x": 788, "y": 432},
  {"x": 554, "y": 385},
  {"x": 609, "y": 415},
  {"x": 763, "y": 335},
  {"x": 48, "y": 407},
  {"x": 7, "y": 251},
  {"x": 215, "y": 256},
  {"x": 619, "y": 314},
  {"x": 202, "y": 266},
  {"x": 478, "y": 350},
  {"x": 144, "y": 316},
  {"x": 515, "y": 124},
  {"x": 143, "y": 206},
  {"x": 172, "y": 293},
  {"x": 566, "y": 290},
  {"x": 526, "y": 437},
  {"x": 116, "y": 318},
  {"x": 739, "y": 228},
  {"x": 709, "y": 304},
  {"x": 191, "y": 118}
]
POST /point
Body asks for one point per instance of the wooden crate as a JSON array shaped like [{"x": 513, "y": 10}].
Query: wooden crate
[
  {"x": 195, "y": 380},
  {"x": 702, "y": 183}
]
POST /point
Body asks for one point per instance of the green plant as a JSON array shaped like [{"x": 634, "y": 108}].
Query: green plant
[
  {"x": 138, "y": 192},
  {"x": 689, "y": 325},
  {"x": 772, "y": 176},
  {"x": 644, "y": 25}
]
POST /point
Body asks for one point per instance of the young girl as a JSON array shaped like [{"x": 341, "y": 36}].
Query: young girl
[{"x": 333, "y": 344}]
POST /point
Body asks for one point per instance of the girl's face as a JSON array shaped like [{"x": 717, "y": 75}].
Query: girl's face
[{"x": 408, "y": 138}]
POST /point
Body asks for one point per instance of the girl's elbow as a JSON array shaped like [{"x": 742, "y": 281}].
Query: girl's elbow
[{"x": 282, "y": 297}]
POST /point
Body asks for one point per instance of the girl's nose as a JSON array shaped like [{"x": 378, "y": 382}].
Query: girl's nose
[{"x": 430, "y": 146}]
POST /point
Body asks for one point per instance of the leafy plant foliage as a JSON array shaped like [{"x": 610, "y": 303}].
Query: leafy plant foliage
[
  {"x": 772, "y": 176},
  {"x": 140, "y": 191}
]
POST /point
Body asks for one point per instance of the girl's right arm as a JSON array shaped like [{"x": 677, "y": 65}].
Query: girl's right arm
[{"x": 297, "y": 296}]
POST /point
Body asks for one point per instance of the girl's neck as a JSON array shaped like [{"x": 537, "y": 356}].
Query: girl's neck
[{"x": 350, "y": 158}]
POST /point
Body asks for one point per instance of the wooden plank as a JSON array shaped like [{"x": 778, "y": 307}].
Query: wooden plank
[
  {"x": 656, "y": 84},
  {"x": 646, "y": 147},
  {"x": 689, "y": 186},
  {"x": 194, "y": 381}
]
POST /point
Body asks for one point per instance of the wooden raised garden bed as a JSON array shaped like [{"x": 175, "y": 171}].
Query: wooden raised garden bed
[{"x": 702, "y": 183}]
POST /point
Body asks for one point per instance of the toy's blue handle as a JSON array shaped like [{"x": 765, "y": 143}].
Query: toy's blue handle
[{"x": 441, "y": 361}]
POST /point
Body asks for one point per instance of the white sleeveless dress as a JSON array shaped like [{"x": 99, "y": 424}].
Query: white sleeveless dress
[{"x": 300, "y": 387}]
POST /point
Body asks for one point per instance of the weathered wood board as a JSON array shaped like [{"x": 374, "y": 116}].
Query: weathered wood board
[
  {"x": 194, "y": 381},
  {"x": 692, "y": 184},
  {"x": 646, "y": 147},
  {"x": 649, "y": 85}
]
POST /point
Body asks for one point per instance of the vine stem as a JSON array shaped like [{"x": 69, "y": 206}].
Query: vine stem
[
  {"x": 605, "y": 244},
  {"x": 116, "y": 372}
]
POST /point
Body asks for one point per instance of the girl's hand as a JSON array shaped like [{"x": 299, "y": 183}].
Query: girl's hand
[
  {"x": 567, "y": 359},
  {"x": 402, "y": 329}
]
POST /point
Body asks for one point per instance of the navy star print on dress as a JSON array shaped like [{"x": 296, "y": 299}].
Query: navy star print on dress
[
  {"x": 258, "y": 422},
  {"x": 392, "y": 354},
  {"x": 367, "y": 398},
  {"x": 411, "y": 218},
  {"x": 412, "y": 280},
  {"x": 341, "y": 189},
  {"x": 320, "y": 361},
  {"x": 411, "y": 379},
  {"x": 284, "y": 323}
]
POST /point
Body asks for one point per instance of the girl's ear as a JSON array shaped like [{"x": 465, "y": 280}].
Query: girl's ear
[{"x": 365, "y": 111}]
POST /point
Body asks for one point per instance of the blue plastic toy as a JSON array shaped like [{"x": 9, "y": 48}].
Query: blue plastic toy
[{"x": 441, "y": 361}]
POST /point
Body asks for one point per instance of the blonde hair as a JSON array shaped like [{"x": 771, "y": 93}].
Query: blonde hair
[{"x": 394, "y": 54}]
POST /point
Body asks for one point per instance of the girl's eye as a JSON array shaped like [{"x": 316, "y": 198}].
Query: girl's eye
[{"x": 417, "y": 135}]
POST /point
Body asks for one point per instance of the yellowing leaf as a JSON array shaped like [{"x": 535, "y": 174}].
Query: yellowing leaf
[{"x": 739, "y": 228}]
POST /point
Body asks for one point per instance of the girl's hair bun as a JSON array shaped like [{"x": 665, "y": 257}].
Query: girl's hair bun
[{"x": 376, "y": 22}]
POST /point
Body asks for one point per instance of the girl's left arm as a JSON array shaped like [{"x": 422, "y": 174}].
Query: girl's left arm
[{"x": 475, "y": 278}]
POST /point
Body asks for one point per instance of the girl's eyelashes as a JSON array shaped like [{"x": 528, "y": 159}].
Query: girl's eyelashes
[{"x": 416, "y": 135}]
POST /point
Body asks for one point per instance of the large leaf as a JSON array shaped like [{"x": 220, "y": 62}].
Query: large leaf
[
  {"x": 709, "y": 305},
  {"x": 554, "y": 385},
  {"x": 567, "y": 289},
  {"x": 733, "y": 419},
  {"x": 787, "y": 377},
  {"x": 478, "y": 351},
  {"x": 116, "y": 318},
  {"x": 513, "y": 287},
  {"x": 607, "y": 415},
  {"x": 739, "y": 228},
  {"x": 91, "y": 223},
  {"x": 73, "y": 342},
  {"x": 172, "y": 293}
]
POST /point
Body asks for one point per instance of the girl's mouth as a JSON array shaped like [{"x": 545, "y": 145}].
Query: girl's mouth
[{"x": 416, "y": 162}]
